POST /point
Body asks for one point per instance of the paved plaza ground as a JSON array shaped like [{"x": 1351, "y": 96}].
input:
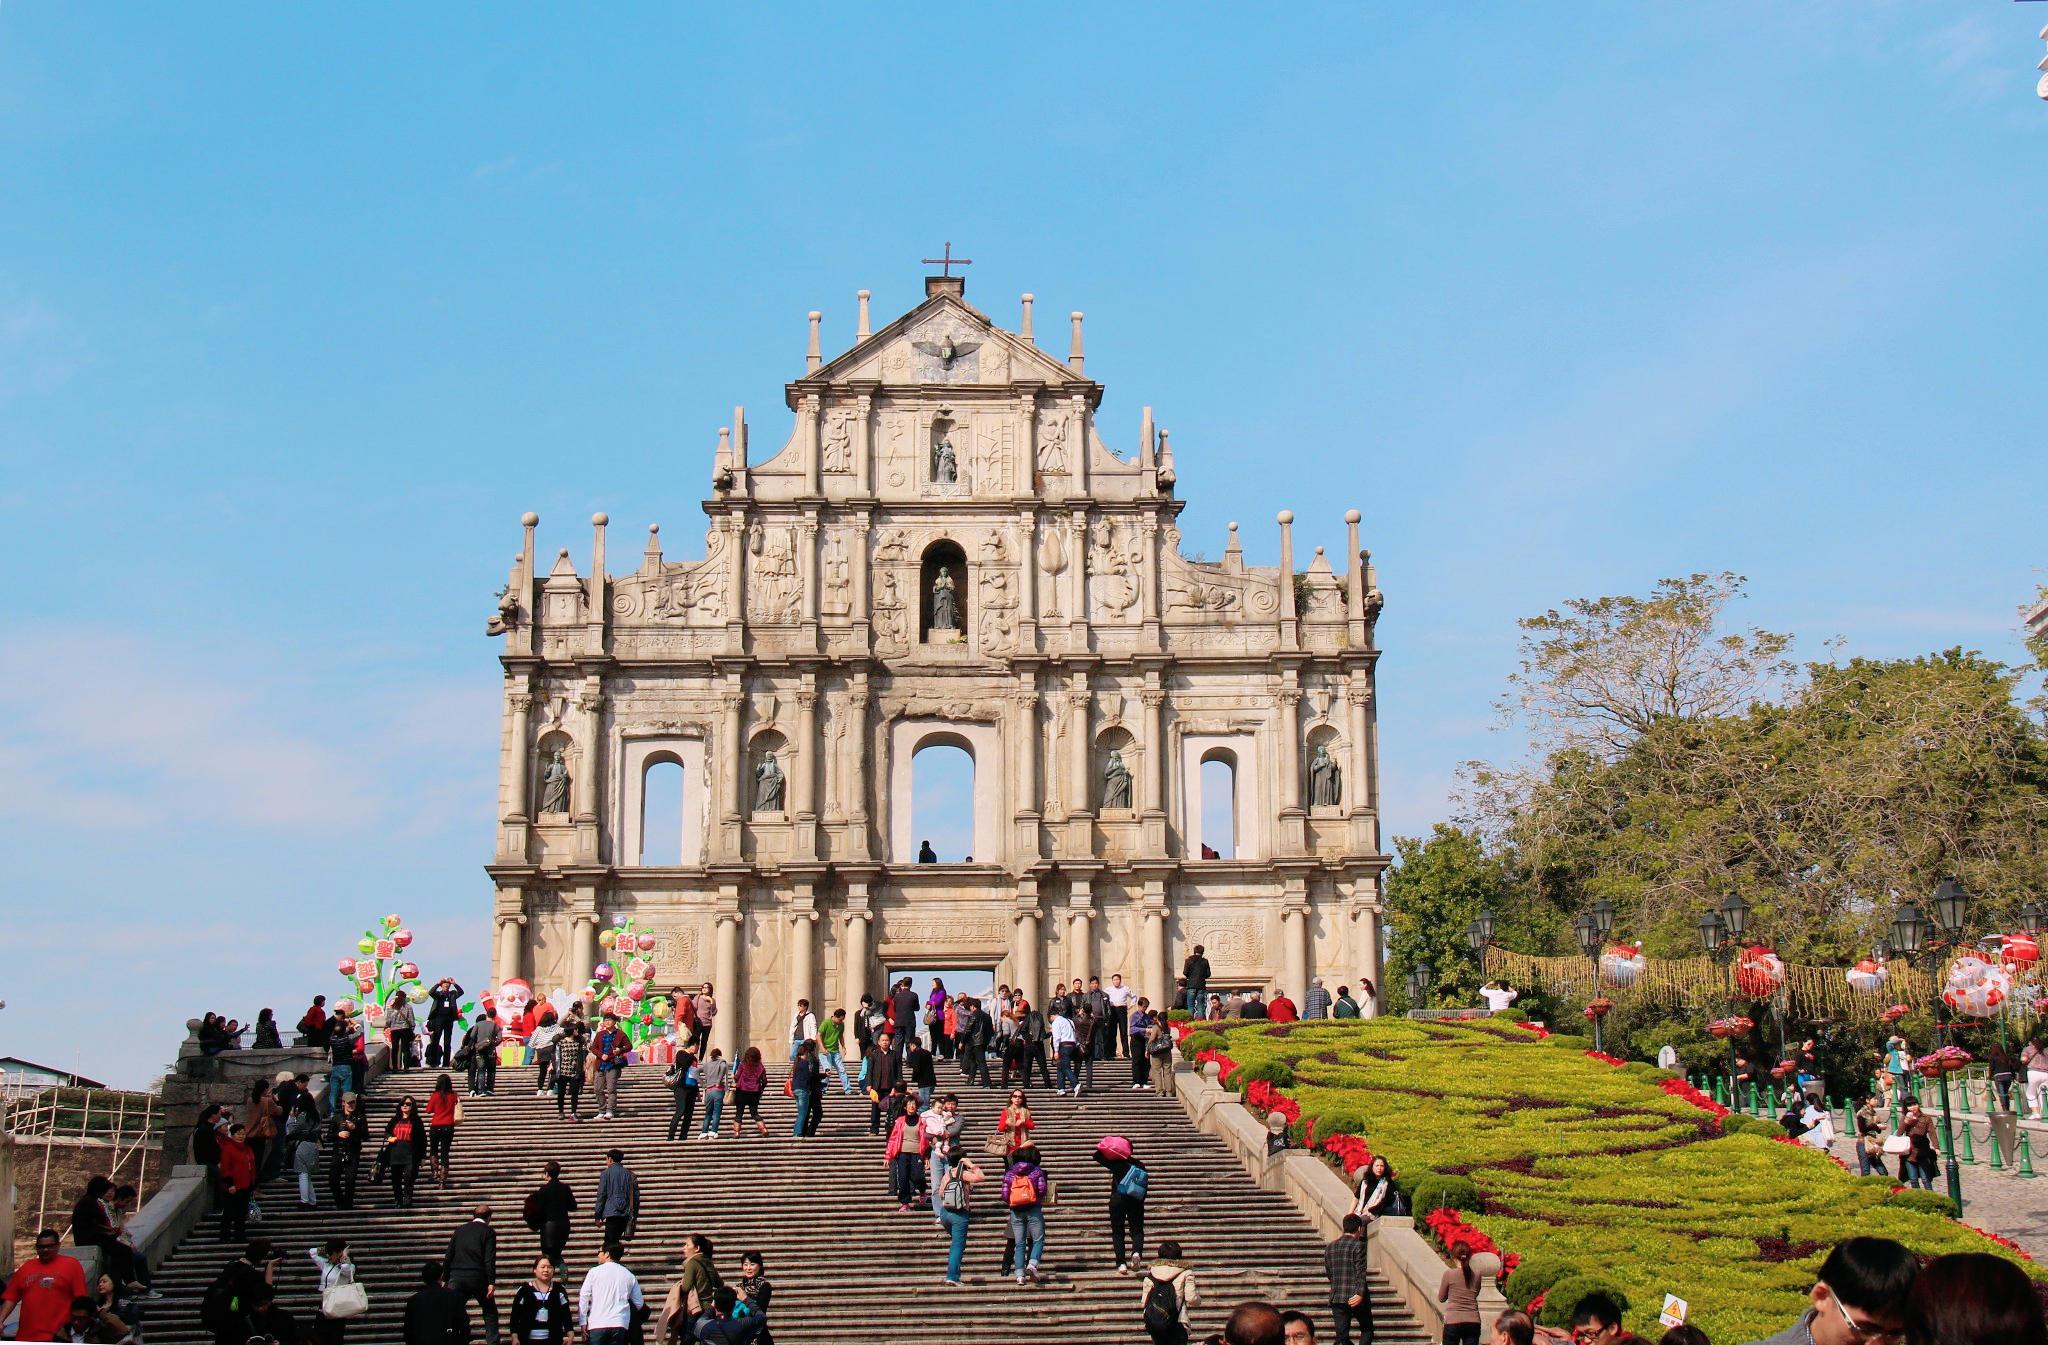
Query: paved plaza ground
[{"x": 1999, "y": 1202}]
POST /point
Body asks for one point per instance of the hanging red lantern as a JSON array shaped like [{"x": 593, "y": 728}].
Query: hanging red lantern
[{"x": 1759, "y": 972}]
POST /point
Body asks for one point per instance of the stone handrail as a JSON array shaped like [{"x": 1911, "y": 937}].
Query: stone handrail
[{"x": 1411, "y": 1262}]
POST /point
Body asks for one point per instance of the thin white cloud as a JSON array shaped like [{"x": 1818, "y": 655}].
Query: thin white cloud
[{"x": 487, "y": 171}]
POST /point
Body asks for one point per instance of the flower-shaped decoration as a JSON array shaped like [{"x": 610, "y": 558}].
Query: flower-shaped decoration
[
  {"x": 403, "y": 938},
  {"x": 607, "y": 937},
  {"x": 1730, "y": 1027},
  {"x": 1759, "y": 972},
  {"x": 1598, "y": 1007},
  {"x": 602, "y": 971},
  {"x": 1622, "y": 965},
  {"x": 1867, "y": 977},
  {"x": 647, "y": 942},
  {"x": 1893, "y": 1014},
  {"x": 1947, "y": 1060},
  {"x": 621, "y": 921}
]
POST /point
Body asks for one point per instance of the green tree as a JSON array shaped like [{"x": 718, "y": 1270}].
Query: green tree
[{"x": 1436, "y": 891}]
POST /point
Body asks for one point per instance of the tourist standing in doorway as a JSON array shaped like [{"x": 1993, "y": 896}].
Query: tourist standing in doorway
[
  {"x": 973, "y": 1041},
  {"x": 935, "y": 1018},
  {"x": 444, "y": 1110},
  {"x": 618, "y": 1198},
  {"x": 904, "y": 1010},
  {"x": 1196, "y": 972}
]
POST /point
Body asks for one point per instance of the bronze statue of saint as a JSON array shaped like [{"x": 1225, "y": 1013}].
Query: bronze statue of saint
[
  {"x": 1325, "y": 780},
  {"x": 554, "y": 785},
  {"x": 1116, "y": 782},
  {"x": 768, "y": 784}
]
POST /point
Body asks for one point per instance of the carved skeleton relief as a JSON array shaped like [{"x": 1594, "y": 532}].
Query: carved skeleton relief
[{"x": 775, "y": 590}]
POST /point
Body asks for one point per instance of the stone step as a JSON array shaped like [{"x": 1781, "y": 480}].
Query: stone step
[{"x": 847, "y": 1266}]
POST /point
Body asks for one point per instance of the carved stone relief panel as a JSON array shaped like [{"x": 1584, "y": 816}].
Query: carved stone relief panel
[
  {"x": 1233, "y": 942},
  {"x": 774, "y": 585},
  {"x": 1115, "y": 567}
]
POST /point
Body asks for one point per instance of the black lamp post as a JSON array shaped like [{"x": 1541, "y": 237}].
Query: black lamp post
[
  {"x": 1911, "y": 936},
  {"x": 1480, "y": 935},
  {"x": 1714, "y": 938},
  {"x": 2032, "y": 919},
  {"x": 1419, "y": 981},
  {"x": 1591, "y": 935}
]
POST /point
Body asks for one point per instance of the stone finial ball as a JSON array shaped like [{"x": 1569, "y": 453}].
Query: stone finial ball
[
  {"x": 599, "y": 519},
  {"x": 1286, "y": 516},
  {"x": 529, "y": 518},
  {"x": 1486, "y": 1263},
  {"x": 563, "y": 553},
  {"x": 654, "y": 527},
  {"x": 1352, "y": 516},
  {"x": 815, "y": 315},
  {"x": 1319, "y": 551},
  {"x": 1233, "y": 527}
]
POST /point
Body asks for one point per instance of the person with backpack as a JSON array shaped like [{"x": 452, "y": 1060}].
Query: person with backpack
[
  {"x": 480, "y": 1053},
  {"x": 547, "y": 1210},
  {"x": 905, "y": 1156},
  {"x": 954, "y": 1203},
  {"x": 1168, "y": 1292},
  {"x": 618, "y": 1198},
  {"x": 541, "y": 1311},
  {"x": 225, "y": 1306},
  {"x": 1024, "y": 1194},
  {"x": 681, "y": 1078},
  {"x": 1129, "y": 1184}
]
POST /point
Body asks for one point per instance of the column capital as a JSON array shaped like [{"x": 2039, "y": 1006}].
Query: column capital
[
  {"x": 807, "y": 698},
  {"x": 1287, "y": 697},
  {"x": 732, "y": 701},
  {"x": 590, "y": 702},
  {"x": 520, "y": 701},
  {"x": 1151, "y": 698}
]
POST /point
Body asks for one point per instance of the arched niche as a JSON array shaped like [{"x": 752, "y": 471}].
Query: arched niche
[
  {"x": 1115, "y": 741},
  {"x": 767, "y": 745},
  {"x": 1215, "y": 767},
  {"x": 544, "y": 750},
  {"x": 1325, "y": 737},
  {"x": 637, "y": 825},
  {"x": 943, "y": 557}
]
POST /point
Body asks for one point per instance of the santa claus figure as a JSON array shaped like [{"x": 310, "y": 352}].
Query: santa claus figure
[{"x": 515, "y": 1009}]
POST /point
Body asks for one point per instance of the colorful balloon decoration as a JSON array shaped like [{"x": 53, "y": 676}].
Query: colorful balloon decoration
[
  {"x": 1975, "y": 987},
  {"x": 624, "y": 985},
  {"x": 1759, "y": 972},
  {"x": 1622, "y": 964},
  {"x": 2021, "y": 951},
  {"x": 378, "y": 975},
  {"x": 1867, "y": 977}
]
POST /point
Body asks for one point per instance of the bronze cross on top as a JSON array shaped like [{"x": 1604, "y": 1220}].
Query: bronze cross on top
[{"x": 947, "y": 262}]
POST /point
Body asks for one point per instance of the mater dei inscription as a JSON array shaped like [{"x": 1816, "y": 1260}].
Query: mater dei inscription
[{"x": 947, "y": 549}]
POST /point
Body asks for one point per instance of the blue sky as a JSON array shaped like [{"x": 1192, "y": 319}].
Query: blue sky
[{"x": 300, "y": 308}]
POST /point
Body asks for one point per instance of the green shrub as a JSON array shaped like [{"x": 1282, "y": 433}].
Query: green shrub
[
  {"x": 1535, "y": 1275},
  {"x": 1339, "y": 1123},
  {"x": 1569, "y": 1041},
  {"x": 1638, "y": 1069},
  {"x": 1734, "y": 1123},
  {"x": 1511, "y": 1014},
  {"x": 1178, "y": 1015},
  {"x": 1274, "y": 1072},
  {"x": 1925, "y": 1202},
  {"x": 1405, "y": 1182},
  {"x": 1198, "y": 1042},
  {"x": 1444, "y": 1193},
  {"x": 1566, "y": 1293}
]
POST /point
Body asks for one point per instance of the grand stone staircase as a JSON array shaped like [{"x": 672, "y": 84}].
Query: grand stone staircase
[{"x": 846, "y": 1266}]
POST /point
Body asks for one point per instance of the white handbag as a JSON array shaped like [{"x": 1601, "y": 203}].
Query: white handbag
[
  {"x": 1898, "y": 1144},
  {"x": 346, "y": 1299}
]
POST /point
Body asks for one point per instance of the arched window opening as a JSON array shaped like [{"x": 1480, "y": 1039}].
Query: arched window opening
[
  {"x": 942, "y": 594},
  {"x": 1218, "y": 812},
  {"x": 942, "y": 803},
  {"x": 661, "y": 813}
]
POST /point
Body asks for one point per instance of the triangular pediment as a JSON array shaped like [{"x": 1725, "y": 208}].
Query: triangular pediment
[{"x": 944, "y": 340}]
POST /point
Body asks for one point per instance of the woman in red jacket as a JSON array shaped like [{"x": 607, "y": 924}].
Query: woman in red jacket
[
  {"x": 237, "y": 1183},
  {"x": 443, "y": 1112}
]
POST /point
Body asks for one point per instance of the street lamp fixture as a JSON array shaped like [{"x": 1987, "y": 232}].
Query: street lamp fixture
[
  {"x": 1713, "y": 932},
  {"x": 1909, "y": 931},
  {"x": 1589, "y": 934},
  {"x": 1951, "y": 905},
  {"x": 1735, "y": 914},
  {"x": 2031, "y": 918},
  {"x": 1603, "y": 917},
  {"x": 1419, "y": 981},
  {"x": 1485, "y": 923}
]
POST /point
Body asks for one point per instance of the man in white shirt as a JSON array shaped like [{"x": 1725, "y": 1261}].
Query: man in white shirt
[
  {"x": 1120, "y": 998},
  {"x": 802, "y": 1028},
  {"x": 609, "y": 1295},
  {"x": 1498, "y": 995},
  {"x": 1066, "y": 1049}
]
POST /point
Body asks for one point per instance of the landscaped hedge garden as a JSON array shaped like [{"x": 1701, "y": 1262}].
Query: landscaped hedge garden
[{"x": 1581, "y": 1168}]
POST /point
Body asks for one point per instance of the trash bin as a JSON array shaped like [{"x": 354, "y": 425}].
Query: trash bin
[{"x": 2006, "y": 1128}]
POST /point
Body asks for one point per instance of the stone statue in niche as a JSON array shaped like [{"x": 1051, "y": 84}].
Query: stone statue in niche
[
  {"x": 945, "y": 467},
  {"x": 1116, "y": 781},
  {"x": 945, "y": 602},
  {"x": 554, "y": 785},
  {"x": 837, "y": 448},
  {"x": 1325, "y": 779},
  {"x": 1052, "y": 450},
  {"x": 768, "y": 786}
]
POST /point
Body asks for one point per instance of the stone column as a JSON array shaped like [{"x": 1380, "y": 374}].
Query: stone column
[
  {"x": 807, "y": 566},
  {"x": 807, "y": 423},
  {"x": 1154, "y": 979},
  {"x": 727, "y": 1029},
  {"x": 1368, "y": 945},
  {"x": 1077, "y": 578},
  {"x": 1292, "y": 829},
  {"x": 1079, "y": 464},
  {"x": 863, "y": 449},
  {"x": 590, "y": 705},
  {"x": 1080, "y": 929},
  {"x": 582, "y": 949},
  {"x": 731, "y": 758},
  {"x": 853, "y": 966},
  {"x": 803, "y": 952},
  {"x": 1294, "y": 917},
  {"x": 1148, "y": 530},
  {"x": 509, "y": 948},
  {"x": 1025, "y": 943},
  {"x": 857, "y": 772},
  {"x": 1151, "y": 787},
  {"x": 804, "y": 784},
  {"x": 1027, "y": 580},
  {"x": 736, "y": 573},
  {"x": 1357, "y": 782},
  {"x": 521, "y": 751},
  {"x": 1023, "y": 750},
  {"x": 1078, "y": 792},
  {"x": 1290, "y": 624}
]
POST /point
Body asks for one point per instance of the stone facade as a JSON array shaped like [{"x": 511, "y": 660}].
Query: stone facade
[{"x": 945, "y": 551}]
